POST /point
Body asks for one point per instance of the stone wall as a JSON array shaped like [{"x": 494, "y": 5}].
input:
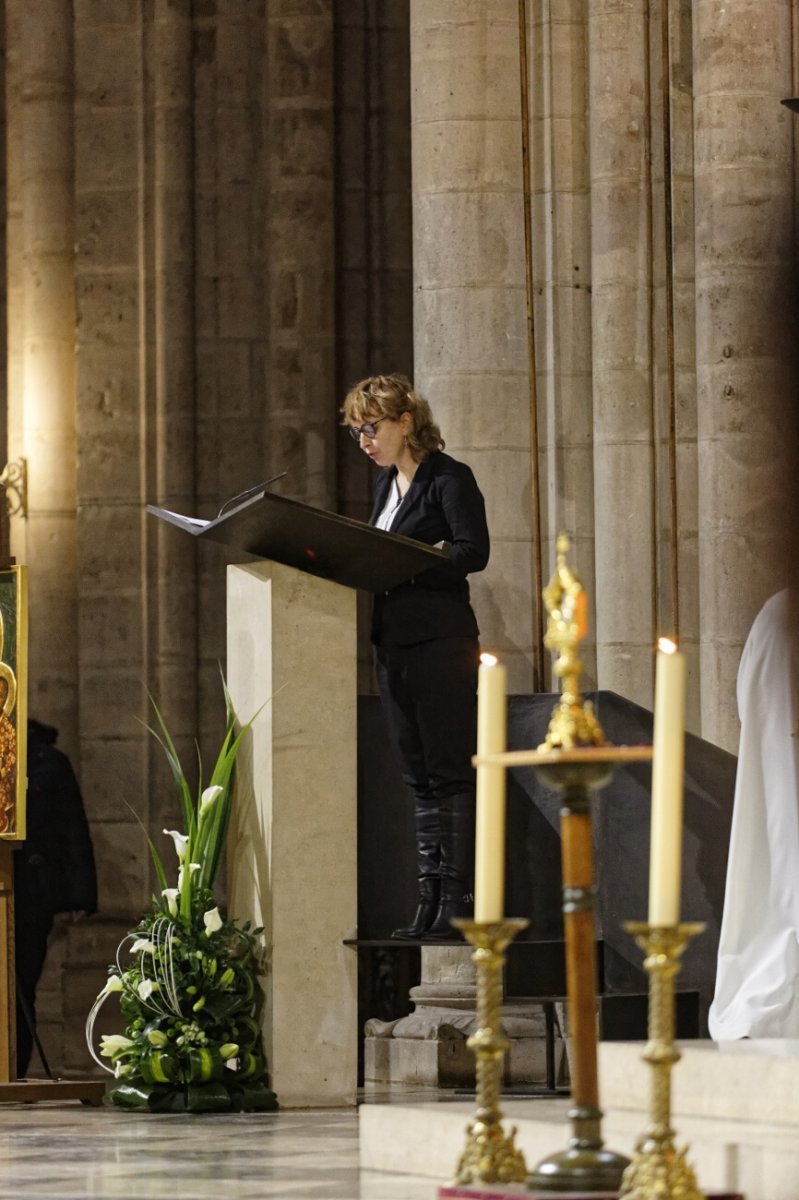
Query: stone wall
[{"x": 177, "y": 308}]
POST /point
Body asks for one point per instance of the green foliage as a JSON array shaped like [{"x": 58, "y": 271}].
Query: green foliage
[{"x": 188, "y": 991}]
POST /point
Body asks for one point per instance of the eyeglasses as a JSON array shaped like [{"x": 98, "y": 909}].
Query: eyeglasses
[{"x": 368, "y": 429}]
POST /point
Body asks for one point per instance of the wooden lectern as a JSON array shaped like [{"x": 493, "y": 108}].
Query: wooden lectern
[{"x": 292, "y": 849}]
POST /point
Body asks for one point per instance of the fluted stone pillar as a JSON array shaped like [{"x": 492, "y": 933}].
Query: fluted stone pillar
[
  {"x": 135, "y": 420},
  {"x": 622, "y": 350},
  {"x": 45, "y": 324},
  {"x": 15, "y": 408},
  {"x": 557, "y": 40},
  {"x": 745, "y": 323},
  {"x": 469, "y": 291},
  {"x": 685, "y": 538},
  {"x": 170, "y": 409},
  {"x": 301, "y": 402}
]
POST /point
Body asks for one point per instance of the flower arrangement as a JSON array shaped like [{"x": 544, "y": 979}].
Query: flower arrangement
[{"x": 186, "y": 976}]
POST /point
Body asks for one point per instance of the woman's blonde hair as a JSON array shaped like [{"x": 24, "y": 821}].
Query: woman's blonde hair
[{"x": 391, "y": 396}]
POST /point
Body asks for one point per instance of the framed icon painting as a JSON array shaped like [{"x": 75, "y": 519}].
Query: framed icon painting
[{"x": 13, "y": 700}]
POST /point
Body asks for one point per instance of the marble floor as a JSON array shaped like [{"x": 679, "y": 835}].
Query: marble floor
[{"x": 68, "y": 1151}]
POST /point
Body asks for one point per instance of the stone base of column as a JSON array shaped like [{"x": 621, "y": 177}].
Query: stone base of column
[{"x": 428, "y": 1048}]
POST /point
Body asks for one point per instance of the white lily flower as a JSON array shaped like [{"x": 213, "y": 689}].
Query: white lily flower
[
  {"x": 113, "y": 984},
  {"x": 182, "y": 874},
  {"x": 142, "y": 944},
  {"x": 212, "y": 921},
  {"x": 171, "y": 897},
  {"x": 114, "y": 1043},
  {"x": 181, "y": 841},
  {"x": 209, "y": 795},
  {"x": 146, "y": 989}
]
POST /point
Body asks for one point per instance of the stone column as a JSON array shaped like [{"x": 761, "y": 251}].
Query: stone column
[
  {"x": 224, "y": 210},
  {"x": 562, "y": 273},
  {"x": 622, "y": 347},
  {"x": 745, "y": 323},
  {"x": 684, "y": 348},
  {"x": 168, "y": 468},
  {"x": 44, "y": 194},
  {"x": 135, "y": 420},
  {"x": 470, "y": 333},
  {"x": 373, "y": 214},
  {"x": 300, "y": 404},
  {"x": 15, "y": 275}
]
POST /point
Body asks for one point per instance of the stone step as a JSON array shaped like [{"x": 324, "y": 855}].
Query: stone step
[
  {"x": 749, "y": 1080},
  {"x": 735, "y": 1107}
]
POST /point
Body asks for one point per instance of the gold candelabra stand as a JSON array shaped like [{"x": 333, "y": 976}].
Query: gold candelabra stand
[
  {"x": 658, "y": 1170},
  {"x": 490, "y": 1155}
]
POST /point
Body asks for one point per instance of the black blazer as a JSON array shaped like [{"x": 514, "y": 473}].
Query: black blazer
[{"x": 443, "y": 504}]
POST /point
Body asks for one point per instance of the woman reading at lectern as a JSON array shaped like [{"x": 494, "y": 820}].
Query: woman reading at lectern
[{"x": 425, "y": 636}]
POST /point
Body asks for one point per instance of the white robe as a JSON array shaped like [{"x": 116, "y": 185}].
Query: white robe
[{"x": 757, "y": 984}]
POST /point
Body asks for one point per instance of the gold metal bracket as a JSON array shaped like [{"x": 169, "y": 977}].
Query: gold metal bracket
[{"x": 14, "y": 480}]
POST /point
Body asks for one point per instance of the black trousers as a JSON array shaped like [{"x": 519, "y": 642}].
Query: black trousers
[
  {"x": 429, "y": 696},
  {"x": 32, "y": 930}
]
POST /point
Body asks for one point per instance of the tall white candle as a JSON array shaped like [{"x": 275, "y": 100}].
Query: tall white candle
[
  {"x": 665, "y": 850},
  {"x": 489, "y": 857}
]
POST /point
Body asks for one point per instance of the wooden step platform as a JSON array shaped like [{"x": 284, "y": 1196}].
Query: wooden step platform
[{"x": 31, "y": 1091}]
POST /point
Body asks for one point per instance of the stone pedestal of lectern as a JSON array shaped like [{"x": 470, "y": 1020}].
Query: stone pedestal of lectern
[{"x": 292, "y": 845}]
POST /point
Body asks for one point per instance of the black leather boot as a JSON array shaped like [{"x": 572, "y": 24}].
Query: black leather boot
[
  {"x": 457, "y": 867},
  {"x": 425, "y": 912},
  {"x": 428, "y": 857},
  {"x": 460, "y": 904}
]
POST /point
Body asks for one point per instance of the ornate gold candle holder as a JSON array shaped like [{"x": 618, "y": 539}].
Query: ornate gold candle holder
[
  {"x": 658, "y": 1170},
  {"x": 490, "y": 1155}
]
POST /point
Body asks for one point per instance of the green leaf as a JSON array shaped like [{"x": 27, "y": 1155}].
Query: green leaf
[
  {"x": 164, "y": 739},
  {"x": 207, "y": 1097},
  {"x": 160, "y": 874}
]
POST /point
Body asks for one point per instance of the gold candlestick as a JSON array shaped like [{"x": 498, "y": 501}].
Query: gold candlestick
[
  {"x": 658, "y": 1169},
  {"x": 490, "y": 1155},
  {"x": 574, "y": 761}
]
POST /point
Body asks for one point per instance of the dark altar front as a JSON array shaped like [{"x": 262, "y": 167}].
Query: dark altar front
[{"x": 386, "y": 866}]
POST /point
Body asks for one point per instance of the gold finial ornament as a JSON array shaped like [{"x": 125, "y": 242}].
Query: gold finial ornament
[{"x": 573, "y": 722}]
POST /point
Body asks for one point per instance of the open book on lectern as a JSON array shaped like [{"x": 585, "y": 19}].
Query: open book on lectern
[{"x": 321, "y": 543}]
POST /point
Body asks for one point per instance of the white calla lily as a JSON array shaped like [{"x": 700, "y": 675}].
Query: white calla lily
[
  {"x": 142, "y": 944},
  {"x": 113, "y": 984},
  {"x": 182, "y": 874},
  {"x": 171, "y": 897},
  {"x": 181, "y": 841},
  {"x": 209, "y": 795},
  {"x": 212, "y": 921},
  {"x": 146, "y": 989},
  {"x": 114, "y": 1043}
]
